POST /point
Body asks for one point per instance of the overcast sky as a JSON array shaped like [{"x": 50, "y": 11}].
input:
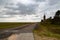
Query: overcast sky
[{"x": 27, "y": 10}]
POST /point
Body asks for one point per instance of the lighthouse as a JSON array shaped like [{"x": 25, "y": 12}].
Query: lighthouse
[{"x": 44, "y": 17}]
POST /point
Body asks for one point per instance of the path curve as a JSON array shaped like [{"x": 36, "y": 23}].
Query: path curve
[{"x": 25, "y": 33}]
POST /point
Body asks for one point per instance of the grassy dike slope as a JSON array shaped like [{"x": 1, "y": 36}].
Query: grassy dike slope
[
  {"x": 47, "y": 31},
  {"x": 4, "y": 25}
]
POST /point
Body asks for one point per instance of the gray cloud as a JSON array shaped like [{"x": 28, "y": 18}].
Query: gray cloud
[
  {"x": 4, "y": 2},
  {"x": 37, "y": 7},
  {"x": 52, "y": 2},
  {"x": 24, "y": 9},
  {"x": 29, "y": 9},
  {"x": 39, "y": 0}
]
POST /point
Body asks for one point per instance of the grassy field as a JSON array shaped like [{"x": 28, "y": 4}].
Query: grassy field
[
  {"x": 48, "y": 30},
  {"x": 11, "y": 24}
]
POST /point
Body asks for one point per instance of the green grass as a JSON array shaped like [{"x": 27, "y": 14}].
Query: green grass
[
  {"x": 49, "y": 30},
  {"x": 4, "y": 25}
]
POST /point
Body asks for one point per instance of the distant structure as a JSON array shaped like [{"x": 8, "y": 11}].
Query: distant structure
[{"x": 44, "y": 17}]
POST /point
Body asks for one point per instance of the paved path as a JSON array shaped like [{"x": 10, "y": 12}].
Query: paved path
[{"x": 25, "y": 33}]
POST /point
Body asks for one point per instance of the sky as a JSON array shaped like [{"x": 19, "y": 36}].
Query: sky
[{"x": 27, "y": 10}]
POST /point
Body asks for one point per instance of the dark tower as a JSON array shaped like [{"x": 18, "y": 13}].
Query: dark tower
[{"x": 44, "y": 16}]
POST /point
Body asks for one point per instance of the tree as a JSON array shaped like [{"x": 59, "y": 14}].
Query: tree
[{"x": 57, "y": 17}]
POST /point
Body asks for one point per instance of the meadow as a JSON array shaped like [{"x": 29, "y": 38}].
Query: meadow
[
  {"x": 47, "y": 30},
  {"x": 11, "y": 24}
]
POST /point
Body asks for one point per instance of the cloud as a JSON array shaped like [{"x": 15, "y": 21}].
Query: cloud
[
  {"x": 40, "y": 0},
  {"x": 52, "y": 2},
  {"x": 24, "y": 9},
  {"x": 10, "y": 8}
]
